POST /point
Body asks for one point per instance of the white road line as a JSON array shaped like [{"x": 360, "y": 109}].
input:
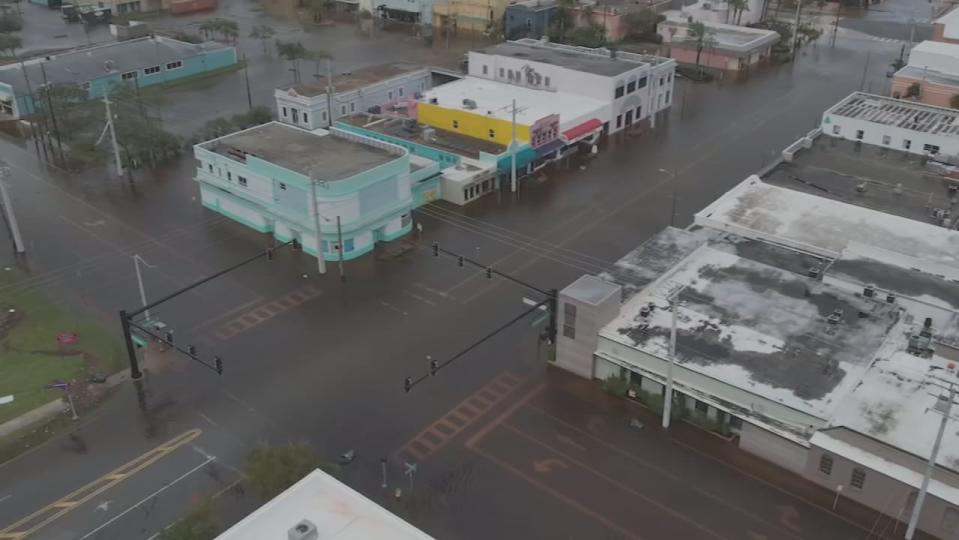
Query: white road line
[
  {"x": 418, "y": 297},
  {"x": 6, "y": 498},
  {"x": 208, "y": 419},
  {"x": 145, "y": 499}
]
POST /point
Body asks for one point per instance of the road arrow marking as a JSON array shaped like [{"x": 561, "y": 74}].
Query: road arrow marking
[
  {"x": 104, "y": 506},
  {"x": 569, "y": 441},
  {"x": 547, "y": 465}
]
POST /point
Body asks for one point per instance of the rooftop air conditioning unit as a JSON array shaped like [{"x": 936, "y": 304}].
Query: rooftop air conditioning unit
[
  {"x": 469, "y": 104},
  {"x": 304, "y": 530}
]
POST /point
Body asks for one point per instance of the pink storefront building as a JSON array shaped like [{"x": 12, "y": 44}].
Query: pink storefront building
[
  {"x": 931, "y": 76},
  {"x": 733, "y": 48}
]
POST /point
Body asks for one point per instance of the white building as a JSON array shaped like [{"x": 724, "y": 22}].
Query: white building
[
  {"x": 894, "y": 123},
  {"x": 817, "y": 316},
  {"x": 633, "y": 85},
  {"x": 376, "y": 88},
  {"x": 320, "y": 507}
]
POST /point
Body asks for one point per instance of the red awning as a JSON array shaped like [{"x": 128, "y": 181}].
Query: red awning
[{"x": 585, "y": 128}]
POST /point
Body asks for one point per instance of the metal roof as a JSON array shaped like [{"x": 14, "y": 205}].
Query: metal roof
[{"x": 898, "y": 113}]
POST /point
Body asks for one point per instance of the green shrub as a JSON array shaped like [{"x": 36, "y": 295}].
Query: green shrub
[{"x": 616, "y": 385}]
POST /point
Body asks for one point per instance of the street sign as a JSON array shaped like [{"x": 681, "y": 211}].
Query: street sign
[{"x": 138, "y": 341}]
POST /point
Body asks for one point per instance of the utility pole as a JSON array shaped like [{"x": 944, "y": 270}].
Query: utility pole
[
  {"x": 33, "y": 128},
  {"x": 339, "y": 241},
  {"x": 321, "y": 263},
  {"x": 113, "y": 135},
  {"x": 796, "y": 28},
  {"x": 8, "y": 209},
  {"x": 652, "y": 107},
  {"x": 944, "y": 409},
  {"x": 53, "y": 113},
  {"x": 835, "y": 28},
  {"x": 329, "y": 92},
  {"x": 143, "y": 296},
  {"x": 512, "y": 145},
  {"x": 246, "y": 78},
  {"x": 668, "y": 398}
]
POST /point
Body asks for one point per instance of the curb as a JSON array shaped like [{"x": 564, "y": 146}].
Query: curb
[{"x": 51, "y": 409}]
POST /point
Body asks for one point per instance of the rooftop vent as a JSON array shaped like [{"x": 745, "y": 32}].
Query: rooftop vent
[
  {"x": 469, "y": 104},
  {"x": 869, "y": 291},
  {"x": 813, "y": 272},
  {"x": 304, "y": 530},
  {"x": 835, "y": 317}
]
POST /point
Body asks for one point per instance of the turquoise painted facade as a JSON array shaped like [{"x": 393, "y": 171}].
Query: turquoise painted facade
[
  {"x": 179, "y": 61},
  {"x": 374, "y": 204}
]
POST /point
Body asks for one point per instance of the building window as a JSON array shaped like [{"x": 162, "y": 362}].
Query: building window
[
  {"x": 641, "y": 83},
  {"x": 399, "y": 90},
  {"x": 858, "y": 478},
  {"x": 950, "y": 520},
  {"x": 210, "y": 166},
  {"x": 662, "y": 81},
  {"x": 151, "y": 70},
  {"x": 886, "y": 139},
  {"x": 485, "y": 69},
  {"x": 546, "y": 81},
  {"x": 389, "y": 95},
  {"x": 835, "y": 130},
  {"x": 702, "y": 406},
  {"x": 241, "y": 180},
  {"x": 825, "y": 464},
  {"x": 492, "y": 134},
  {"x": 619, "y": 121},
  {"x": 348, "y": 244},
  {"x": 859, "y": 134},
  {"x": 735, "y": 422},
  {"x": 456, "y": 124},
  {"x": 930, "y": 148},
  {"x": 306, "y": 118},
  {"x": 284, "y": 112},
  {"x": 343, "y": 109},
  {"x": 229, "y": 176},
  {"x": 907, "y": 144},
  {"x": 639, "y": 112},
  {"x": 667, "y": 97},
  {"x": 174, "y": 65},
  {"x": 669, "y": 77},
  {"x": 619, "y": 91},
  {"x": 501, "y": 72},
  {"x": 569, "y": 320},
  {"x": 129, "y": 75},
  {"x": 324, "y": 116},
  {"x": 282, "y": 186},
  {"x": 631, "y": 87}
]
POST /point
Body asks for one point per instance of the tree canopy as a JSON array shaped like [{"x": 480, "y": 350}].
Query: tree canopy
[
  {"x": 200, "y": 524},
  {"x": 272, "y": 469}
]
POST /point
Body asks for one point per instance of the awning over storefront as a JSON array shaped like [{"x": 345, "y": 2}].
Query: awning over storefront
[
  {"x": 549, "y": 148},
  {"x": 576, "y": 133}
]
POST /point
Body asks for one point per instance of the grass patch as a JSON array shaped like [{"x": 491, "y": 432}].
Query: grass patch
[{"x": 31, "y": 358}]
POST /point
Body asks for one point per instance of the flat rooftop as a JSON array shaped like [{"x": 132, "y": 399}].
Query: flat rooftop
[
  {"x": 407, "y": 129},
  {"x": 749, "y": 316},
  {"x": 323, "y": 157},
  {"x": 88, "y": 63},
  {"x": 565, "y": 56},
  {"x": 336, "y": 510},
  {"x": 897, "y": 113},
  {"x": 730, "y": 37},
  {"x": 821, "y": 225},
  {"x": 495, "y": 99},
  {"x": 358, "y": 78},
  {"x": 591, "y": 289},
  {"x": 643, "y": 265},
  {"x": 931, "y": 75},
  {"x": 883, "y": 179}
]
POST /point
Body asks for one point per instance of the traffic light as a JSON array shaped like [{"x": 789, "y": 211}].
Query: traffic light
[
  {"x": 218, "y": 363},
  {"x": 489, "y": 272},
  {"x": 436, "y": 249},
  {"x": 407, "y": 384},
  {"x": 434, "y": 366},
  {"x": 269, "y": 254},
  {"x": 459, "y": 260},
  {"x": 191, "y": 349},
  {"x": 169, "y": 338}
]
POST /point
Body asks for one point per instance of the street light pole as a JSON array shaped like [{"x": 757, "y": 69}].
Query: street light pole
[
  {"x": 8, "y": 209},
  {"x": 339, "y": 241},
  {"x": 672, "y": 212},
  {"x": 668, "y": 398},
  {"x": 512, "y": 147},
  {"x": 321, "y": 263},
  {"x": 931, "y": 465},
  {"x": 143, "y": 296}
]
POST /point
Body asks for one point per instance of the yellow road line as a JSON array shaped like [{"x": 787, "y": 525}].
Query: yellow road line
[{"x": 53, "y": 511}]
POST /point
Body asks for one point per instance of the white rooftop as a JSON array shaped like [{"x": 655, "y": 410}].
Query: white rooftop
[
  {"x": 935, "y": 56},
  {"x": 730, "y": 37},
  {"x": 950, "y": 22},
  {"x": 894, "y": 404},
  {"x": 337, "y": 511},
  {"x": 758, "y": 210},
  {"x": 898, "y": 113},
  {"x": 495, "y": 99}
]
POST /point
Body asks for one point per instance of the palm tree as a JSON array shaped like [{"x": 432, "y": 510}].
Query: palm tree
[
  {"x": 738, "y": 7},
  {"x": 702, "y": 36},
  {"x": 263, "y": 33}
]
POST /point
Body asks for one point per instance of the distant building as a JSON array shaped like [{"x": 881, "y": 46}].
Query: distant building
[
  {"x": 931, "y": 76},
  {"x": 320, "y": 507},
  {"x": 413, "y": 11},
  {"x": 894, "y": 123},
  {"x": 265, "y": 178},
  {"x": 632, "y": 86},
  {"x": 718, "y": 11},
  {"x": 376, "y": 88},
  {"x": 145, "y": 61},
  {"x": 946, "y": 27},
  {"x": 468, "y": 15},
  {"x": 817, "y": 322},
  {"x": 734, "y": 48},
  {"x": 529, "y": 19}
]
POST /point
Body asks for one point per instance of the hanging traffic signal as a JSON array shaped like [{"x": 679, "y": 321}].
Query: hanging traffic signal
[
  {"x": 489, "y": 272},
  {"x": 169, "y": 338},
  {"x": 218, "y": 363},
  {"x": 459, "y": 260},
  {"x": 269, "y": 254},
  {"x": 436, "y": 249},
  {"x": 407, "y": 384},
  {"x": 191, "y": 349},
  {"x": 434, "y": 367}
]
